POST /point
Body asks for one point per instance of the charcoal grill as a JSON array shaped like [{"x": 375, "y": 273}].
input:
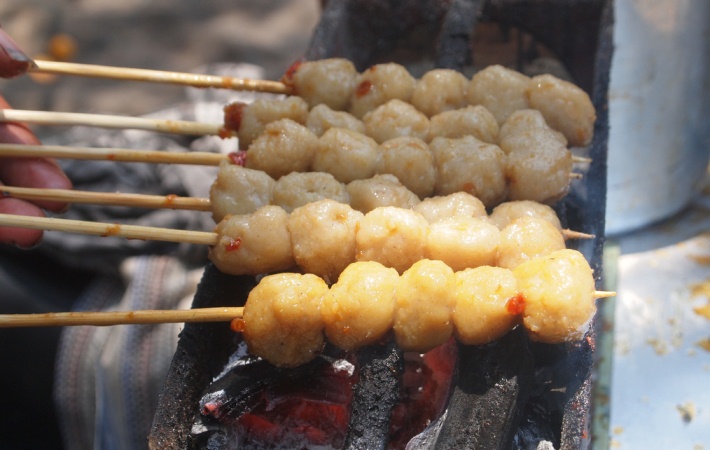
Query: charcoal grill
[{"x": 513, "y": 393}]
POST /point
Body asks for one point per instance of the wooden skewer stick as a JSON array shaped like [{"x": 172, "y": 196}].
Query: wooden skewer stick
[
  {"x": 158, "y": 76},
  {"x": 604, "y": 294},
  {"x": 108, "y": 198},
  {"x": 109, "y": 229},
  {"x": 115, "y": 122},
  {"x": 581, "y": 159},
  {"x": 571, "y": 234},
  {"x": 112, "y": 154},
  {"x": 575, "y": 176},
  {"x": 108, "y": 318}
]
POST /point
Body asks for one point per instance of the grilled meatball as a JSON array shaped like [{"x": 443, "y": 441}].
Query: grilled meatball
[
  {"x": 527, "y": 238},
  {"x": 346, "y": 154},
  {"x": 566, "y": 107},
  {"x": 323, "y": 237},
  {"x": 558, "y": 293},
  {"x": 322, "y": 118},
  {"x": 440, "y": 90},
  {"x": 507, "y": 212},
  {"x": 411, "y": 161},
  {"x": 238, "y": 190},
  {"x": 463, "y": 242},
  {"x": 500, "y": 90},
  {"x": 255, "y": 116},
  {"x": 378, "y": 191},
  {"x": 523, "y": 120},
  {"x": 435, "y": 209},
  {"x": 282, "y": 318},
  {"x": 359, "y": 309},
  {"x": 474, "y": 121},
  {"x": 539, "y": 170},
  {"x": 380, "y": 84},
  {"x": 470, "y": 165},
  {"x": 298, "y": 188},
  {"x": 424, "y": 299},
  {"x": 394, "y": 237},
  {"x": 328, "y": 81},
  {"x": 284, "y": 147},
  {"x": 393, "y": 119},
  {"x": 483, "y": 299},
  {"x": 253, "y": 244}
]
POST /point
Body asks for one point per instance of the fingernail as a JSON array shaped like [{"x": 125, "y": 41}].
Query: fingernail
[{"x": 17, "y": 61}]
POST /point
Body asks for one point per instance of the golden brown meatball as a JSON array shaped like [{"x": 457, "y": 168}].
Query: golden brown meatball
[
  {"x": 507, "y": 212},
  {"x": 359, "y": 309},
  {"x": 322, "y": 118},
  {"x": 483, "y": 312},
  {"x": 435, "y": 209},
  {"x": 463, "y": 242},
  {"x": 284, "y": 147},
  {"x": 393, "y": 119},
  {"x": 558, "y": 292},
  {"x": 323, "y": 237},
  {"x": 380, "y": 84},
  {"x": 329, "y": 81},
  {"x": 253, "y": 244},
  {"x": 238, "y": 190},
  {"x": 500, "y": 90},
  {"x": 411, "y": 161},
  {"x": 394, "y": 237},
  {"x": 255, "y": 116},
  {"x": 474, "y": 121},
  {"x": 298, "y": 188},
  {"x": 282, "y": 318},
  {"x": 566, "y": 107},
  {"x": 378, "y": 191},
  {"x": 469, "y": 165},
  {"x": 527, "y": 238},
  {"x": 424, "y": 298},
  {"x": 440, "y": 90},
  {"x": 347, "y": 155}
]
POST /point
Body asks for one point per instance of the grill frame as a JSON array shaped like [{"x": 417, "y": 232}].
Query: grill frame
[{"x": 586, "y": 50}]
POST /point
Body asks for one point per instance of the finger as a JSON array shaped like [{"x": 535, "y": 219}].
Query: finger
[
  {"x": 13, "y": 61},
  {"x": 22, "y": 237},
  {"x": 15, "y": 133},
  {"x": 35, "y": 172},
  {"x": 30, "y": 172}
]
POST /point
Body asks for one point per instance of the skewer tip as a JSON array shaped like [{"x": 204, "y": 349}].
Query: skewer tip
[{"x": 604, "y": 294}]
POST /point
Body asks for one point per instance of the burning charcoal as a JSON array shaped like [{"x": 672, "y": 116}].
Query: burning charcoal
[
  {"x": 254, "y": 404},
  {"x": 491, "y": 388},
  {"x": 376, "y": 394}
]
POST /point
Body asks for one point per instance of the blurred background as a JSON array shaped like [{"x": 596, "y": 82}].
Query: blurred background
[{"x": 178, "y": 35}]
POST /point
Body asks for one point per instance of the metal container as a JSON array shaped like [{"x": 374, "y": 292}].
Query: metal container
[{"x": 659, "y": 106}]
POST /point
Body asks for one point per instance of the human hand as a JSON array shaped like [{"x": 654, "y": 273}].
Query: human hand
[{"x": 25, "y": 172}]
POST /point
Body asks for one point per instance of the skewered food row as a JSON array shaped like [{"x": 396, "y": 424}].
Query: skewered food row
[
  {"x": 461, "y": 155},
  {"x": 537, "y": 166},
  {"x": 324, "y": 237},
  {"x": 336, "y": 83},
  {"x": 287, "y": 316}
]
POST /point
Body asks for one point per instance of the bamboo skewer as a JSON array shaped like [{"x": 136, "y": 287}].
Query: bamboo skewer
[
  {"x": 109, "y": 318},
  {"x": 141, "y": 317},
  {"x": 53, "y": 118},
  {"x": 146, "y": 201},
  {"x": 112, "y": 154},
  {"x": 159, "y": 76},
  {"x": 109, "y": 229},
  {"x": 108, "y": 198}
]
